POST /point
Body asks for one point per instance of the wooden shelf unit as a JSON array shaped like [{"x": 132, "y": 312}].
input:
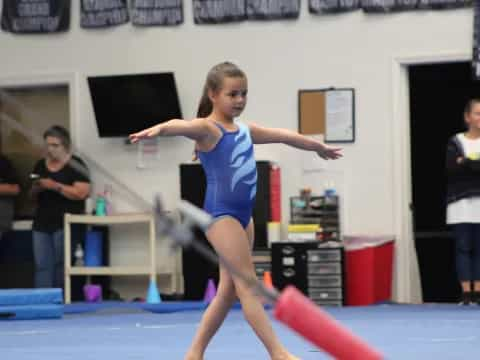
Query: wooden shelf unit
[{"x": 70, "y": 270}]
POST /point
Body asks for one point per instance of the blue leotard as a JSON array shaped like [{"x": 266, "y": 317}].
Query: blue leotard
[{"x": 231, "y": 173}]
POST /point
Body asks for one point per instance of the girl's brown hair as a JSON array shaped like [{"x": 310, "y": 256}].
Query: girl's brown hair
[{"x": 214, "y": 83}]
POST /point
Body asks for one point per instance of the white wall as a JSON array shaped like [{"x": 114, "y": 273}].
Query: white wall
[{"x": 279, "y": 57}]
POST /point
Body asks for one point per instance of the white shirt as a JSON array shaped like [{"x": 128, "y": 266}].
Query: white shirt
[{"x": 465, "y": 210}]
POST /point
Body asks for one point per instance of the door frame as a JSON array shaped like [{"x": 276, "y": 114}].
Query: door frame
[
  {"x": 406, "y": 279},
  {"x": 69, "y": 79}
]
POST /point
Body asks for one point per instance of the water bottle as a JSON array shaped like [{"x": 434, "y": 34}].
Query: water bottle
[
  {"x": 79, "y": 256},
  {"x": 100, "y": 208},
  {"x": 330, "y": 193}
]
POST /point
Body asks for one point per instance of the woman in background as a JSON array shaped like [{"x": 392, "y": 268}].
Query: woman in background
[
  {"x": 61, "y": 185},
  {"x": 463, "y": 199}
]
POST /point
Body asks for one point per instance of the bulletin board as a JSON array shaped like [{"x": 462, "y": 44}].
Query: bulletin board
[{"x": 330, "y": 112}]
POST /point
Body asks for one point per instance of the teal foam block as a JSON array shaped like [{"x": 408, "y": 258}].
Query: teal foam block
[
  {"x": 30, "y": 296},
  {"x": 31, "y": 312}
]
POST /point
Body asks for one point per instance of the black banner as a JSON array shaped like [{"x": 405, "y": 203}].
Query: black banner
[
  {"x": 157, "y": 12},
  {"x": 444, "y": 4},
  {"x": 476, "y": 41},
  {"x": 103, "y": 13},
  {"x": 273, "y": 9},
  {"x": 332, "y": 6},
  {"x": 35, "y": 16},
  {"x": 400, "y": 5},
  {"x": 218, "y": 11},
  {"x": 383, "y": 6}
]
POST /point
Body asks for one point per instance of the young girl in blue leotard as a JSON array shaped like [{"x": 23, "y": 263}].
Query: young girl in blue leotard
[{"x": 225, "y": 149}]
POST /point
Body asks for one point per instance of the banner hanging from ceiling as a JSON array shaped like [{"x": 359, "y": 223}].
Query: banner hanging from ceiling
[
  {"x": 39, "y": 16},
  {"x": 103, "y": 13}
]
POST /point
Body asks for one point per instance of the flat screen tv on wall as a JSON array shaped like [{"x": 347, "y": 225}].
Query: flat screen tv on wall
[{"x": 124, "y": 104}]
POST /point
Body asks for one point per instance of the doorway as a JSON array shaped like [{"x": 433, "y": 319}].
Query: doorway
[
  {"x": 35, "y": 108},
  {"x": 438, "y": 94}
]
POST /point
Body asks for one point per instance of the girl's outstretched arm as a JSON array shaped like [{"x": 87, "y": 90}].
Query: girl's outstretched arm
[
  {"x": 195, "y": 129},
  {"x": 264, "y": 135}
]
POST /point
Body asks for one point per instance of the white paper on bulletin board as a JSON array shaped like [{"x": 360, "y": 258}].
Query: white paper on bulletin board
[{"x": 340, "y": 126}]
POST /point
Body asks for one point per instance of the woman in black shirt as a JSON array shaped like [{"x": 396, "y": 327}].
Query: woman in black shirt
[{"x": 62, "y": 184}]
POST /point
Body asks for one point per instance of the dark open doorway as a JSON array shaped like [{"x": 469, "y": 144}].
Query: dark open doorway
[{"x": 438, "y": 93}]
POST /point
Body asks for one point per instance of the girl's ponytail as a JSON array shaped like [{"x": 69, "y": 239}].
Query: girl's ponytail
[{"x": 205, "y": 106}]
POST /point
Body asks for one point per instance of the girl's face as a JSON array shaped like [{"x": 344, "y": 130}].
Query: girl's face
[
  {"x": 55, "y": 148},
  {"x": 473, "y": 117},
  {"x": 232, "y": 97}
]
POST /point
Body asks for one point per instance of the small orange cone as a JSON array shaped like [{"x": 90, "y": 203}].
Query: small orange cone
[{"x": 267, "y": 279}]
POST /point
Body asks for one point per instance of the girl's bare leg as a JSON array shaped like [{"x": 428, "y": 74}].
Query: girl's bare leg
[
  {"x": 229, "y": 238},
  {"x": 213, "y": 317},
  {"x": 217, "y": 310}
]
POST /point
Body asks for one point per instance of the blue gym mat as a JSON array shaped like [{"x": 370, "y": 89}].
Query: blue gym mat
[
  {"x": 30, "y": 296},
  {"x": 26, "y": 304},
  {"x": 29, "y": 312}
]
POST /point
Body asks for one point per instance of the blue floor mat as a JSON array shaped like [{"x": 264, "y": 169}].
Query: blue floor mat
[
  {"x": 440, "y": 332},
  {"x": 163, "y": 307}
]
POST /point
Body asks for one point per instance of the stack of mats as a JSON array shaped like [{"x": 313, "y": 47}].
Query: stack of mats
[{"x": 28, "y": 304}]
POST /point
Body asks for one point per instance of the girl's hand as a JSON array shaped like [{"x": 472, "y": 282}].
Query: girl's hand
[
  {"x": 329, "y": 152},
  {"x": 145, "y": 134}
]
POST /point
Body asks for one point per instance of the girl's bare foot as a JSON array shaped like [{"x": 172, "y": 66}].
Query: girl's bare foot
[{"x": 284, "y": 355}]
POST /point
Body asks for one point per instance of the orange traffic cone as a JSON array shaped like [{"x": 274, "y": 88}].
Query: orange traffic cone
[{"x": 267, "y": 279}]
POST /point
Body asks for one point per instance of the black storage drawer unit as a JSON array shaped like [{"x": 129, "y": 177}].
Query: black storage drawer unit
[{"x": 315, "y": 270}]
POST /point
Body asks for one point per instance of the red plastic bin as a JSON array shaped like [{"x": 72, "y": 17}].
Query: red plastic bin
[{"x": 369, "y": 269}]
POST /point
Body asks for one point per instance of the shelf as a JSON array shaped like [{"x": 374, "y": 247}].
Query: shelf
[
  {"x": 110, "y": 270},
  {"x": 261, "y": 258},
  {"x": 319, "y": 210},
  {"x": 127, "y": 218},
  {"x": 314, "y": 213},
  {"x": 308, "y": 220},
  {"x": 109, "y": 219}
]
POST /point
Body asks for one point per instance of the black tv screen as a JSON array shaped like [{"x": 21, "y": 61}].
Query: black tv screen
[{"x": 124, "y": 104}]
